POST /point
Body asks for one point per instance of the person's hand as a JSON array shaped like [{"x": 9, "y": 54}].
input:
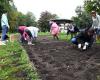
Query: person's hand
[
  {"x": 86, "y": 43},
  {"x": 25, "y": 39},
  {"x": 79, "y": 46}
]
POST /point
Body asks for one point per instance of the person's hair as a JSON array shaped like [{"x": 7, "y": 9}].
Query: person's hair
[
  {"x": 91, "y": 30},
  {"x": 93, "y": 12},
  {"x": 4, "y": 11}
]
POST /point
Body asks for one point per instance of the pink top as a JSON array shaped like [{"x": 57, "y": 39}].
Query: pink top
[
  {"x": 54, "y": 28},
  {"x": 25, "y": 35},
  {"x": 22, "y": 28}
]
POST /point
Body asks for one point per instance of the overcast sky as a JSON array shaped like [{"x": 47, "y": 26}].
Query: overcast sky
[{"x": 63, "y": 8}]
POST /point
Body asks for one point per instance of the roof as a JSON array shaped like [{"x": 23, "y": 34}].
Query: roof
[{"x": 59, "y": 21}]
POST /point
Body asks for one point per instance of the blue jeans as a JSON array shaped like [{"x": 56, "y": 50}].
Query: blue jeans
[
  {"x": 4, "y": 32},
  {"x": 74, "y": 41},
  {"x": 97, "y": 31}
]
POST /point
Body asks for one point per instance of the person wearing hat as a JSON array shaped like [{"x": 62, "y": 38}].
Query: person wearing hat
[
  {"x": 84, "y": 39},
  {"x": 96, "y": 24}
]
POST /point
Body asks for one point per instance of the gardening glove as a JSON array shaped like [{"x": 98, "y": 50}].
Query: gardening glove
[
  {"x": 79, "y": 46},
  {"x": 85, "y": 45}
]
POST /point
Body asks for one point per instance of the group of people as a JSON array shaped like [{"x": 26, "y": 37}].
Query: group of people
[
  {"x": 83, "y": 39},
  {"x": 28, "y": 34}
]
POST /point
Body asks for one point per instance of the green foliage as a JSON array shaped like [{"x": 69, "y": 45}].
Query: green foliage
[
  {"x": 84, "y": 20},
  {"x": 21, "y": 19},
  {"x": 28, "y": 19},
  {"x": 12, "y": 13},
  {"x": 15, "y": 64},
  {"x": 43, "y": 22},
  {"x": 90, "y": 5},
  {"x": 16, "y": 18}
]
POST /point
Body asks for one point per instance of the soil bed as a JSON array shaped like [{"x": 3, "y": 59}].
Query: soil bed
[{"x": 60, "y": 60}]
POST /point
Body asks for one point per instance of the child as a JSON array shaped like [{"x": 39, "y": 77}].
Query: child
[
  {"x": 54, "y": 30},
  {"x": 84, "y": 38}
]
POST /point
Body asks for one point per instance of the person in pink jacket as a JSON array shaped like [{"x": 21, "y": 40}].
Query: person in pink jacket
[{"x": 54, "y": 30}]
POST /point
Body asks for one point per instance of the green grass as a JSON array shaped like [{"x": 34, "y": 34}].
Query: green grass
[
  {"x": 15, "y": 64},
  {"x": 62, "y": 36},
  {"x": 44, "y": 33}
]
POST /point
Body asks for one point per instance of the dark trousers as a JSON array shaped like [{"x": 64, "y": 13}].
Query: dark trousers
[{"x": 4, "y": 32}]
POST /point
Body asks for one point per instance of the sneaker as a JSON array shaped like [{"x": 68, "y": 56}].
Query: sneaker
[
  {"x": 2, "y": 43},
  {"x": 29, "y": 43}
]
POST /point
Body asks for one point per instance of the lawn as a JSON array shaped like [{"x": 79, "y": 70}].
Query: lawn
[
  {"x": 15, "y": 64},
  {"x": 62, "y": 36}
]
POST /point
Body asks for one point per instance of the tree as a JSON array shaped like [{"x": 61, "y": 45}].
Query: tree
[
  {"x": 83, "y": 19},
  {"x": 27, "y": 20},
  {"x": 9, "y": 6},
  {"x": 16, "y": 18},
  {"x": 44, "y": 19},
  {"x": 90, "y": 5},
  {"x": 4, "y": 5},
  {"x": 31, "y": 20}
]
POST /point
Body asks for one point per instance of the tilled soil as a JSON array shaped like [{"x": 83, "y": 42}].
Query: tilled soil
[{"x": 60, "y": 60}]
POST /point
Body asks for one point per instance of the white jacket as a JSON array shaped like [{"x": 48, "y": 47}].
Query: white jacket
[
  {"x": 33, "y": 30},
  {"x": 4, "y": 20},
  {"x": 96, "y": 22}
]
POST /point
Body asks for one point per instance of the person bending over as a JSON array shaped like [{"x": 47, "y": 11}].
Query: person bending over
[
  {"x": 84, "y": 39},
  {"x": 30, "y": 34}
]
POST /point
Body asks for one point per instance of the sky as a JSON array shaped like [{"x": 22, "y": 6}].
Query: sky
[{"x": 63, "y": 8}]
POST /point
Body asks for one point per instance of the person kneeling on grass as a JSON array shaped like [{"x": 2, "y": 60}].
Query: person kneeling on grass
[{"x": 84, "y": 38}]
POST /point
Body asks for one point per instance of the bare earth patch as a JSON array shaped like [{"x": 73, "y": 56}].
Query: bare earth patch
[{"x": 60, "y": 60}]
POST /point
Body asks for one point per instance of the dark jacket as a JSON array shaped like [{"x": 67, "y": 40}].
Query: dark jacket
[{"x": 84, "y": 37}]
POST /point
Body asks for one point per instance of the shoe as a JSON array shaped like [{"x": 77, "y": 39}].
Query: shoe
[
  {"x": 29, "y": 43},
  {"x": 2, "y": 43}
]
